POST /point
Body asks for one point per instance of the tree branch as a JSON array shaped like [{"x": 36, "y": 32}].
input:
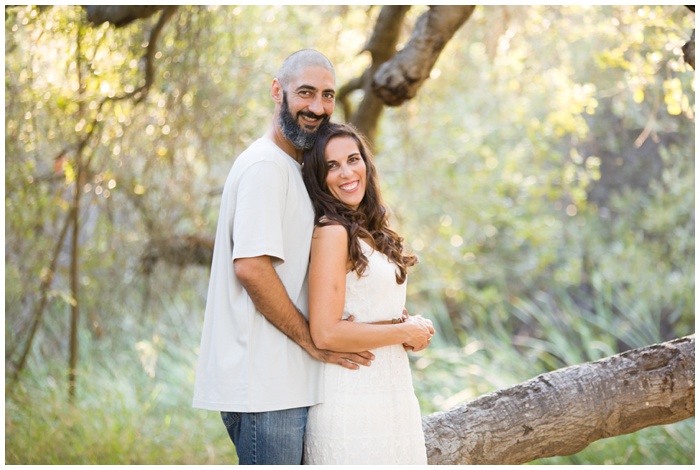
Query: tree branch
[
  {"x": 689, "y": 51},
  {"x": 689, "y": 47},
  {"x": 115, "y": 15},
  {"x": 46, "y": 281},
  {"x": 343, "y": 95},
  {"x": 149, "y": 57},
  {"x": 385, "y": 36},
  {"x": 120, "y": 15},
  {"x": 562, "y": 412},
  {"x": 399, "y": 79},
  {"x": 381, "y": 46}
]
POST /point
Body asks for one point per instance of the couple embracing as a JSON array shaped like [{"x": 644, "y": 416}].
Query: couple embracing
[{"x": 305, "y": 333}]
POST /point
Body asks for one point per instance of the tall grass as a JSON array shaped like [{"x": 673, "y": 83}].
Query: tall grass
[
  {"x": 119, "y": 417},
  {"x": 133, "y": 402}
]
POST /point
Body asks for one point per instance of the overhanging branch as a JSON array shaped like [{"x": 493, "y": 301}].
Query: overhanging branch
[
  {"x": 399, "y": 78},
  {"x": 381, "y": 46},
  {"x": 121, "y": 15}
]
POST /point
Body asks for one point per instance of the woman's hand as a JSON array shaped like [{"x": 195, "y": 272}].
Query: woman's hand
[{"x": 420, "y": 331}]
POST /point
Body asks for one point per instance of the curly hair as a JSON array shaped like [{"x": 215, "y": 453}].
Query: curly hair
[{"x": 370, "y": 220}]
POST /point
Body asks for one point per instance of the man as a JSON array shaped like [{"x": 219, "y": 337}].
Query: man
[{"x": 258, "y": 365}]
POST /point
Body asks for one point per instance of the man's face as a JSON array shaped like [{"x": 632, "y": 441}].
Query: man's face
[{"x": 307, "y": 103}]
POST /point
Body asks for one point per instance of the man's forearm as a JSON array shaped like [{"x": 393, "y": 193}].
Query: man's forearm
[
  {"x": 263, "y": 285},
  {"x": 270, "y": 298}
]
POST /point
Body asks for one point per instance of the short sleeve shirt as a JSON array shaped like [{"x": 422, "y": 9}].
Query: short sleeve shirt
[{"x": 245, "y": 363}]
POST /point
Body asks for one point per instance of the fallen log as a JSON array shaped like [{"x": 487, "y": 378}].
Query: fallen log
[{"x": 562, "y": 412}]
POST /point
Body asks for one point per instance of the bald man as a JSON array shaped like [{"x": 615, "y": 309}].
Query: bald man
[{"x": 257, "y": 362}]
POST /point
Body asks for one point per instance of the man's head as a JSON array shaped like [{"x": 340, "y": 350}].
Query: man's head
[{"x": 304, "y": 93}]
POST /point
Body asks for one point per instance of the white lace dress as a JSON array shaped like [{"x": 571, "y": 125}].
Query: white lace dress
[{"x": 370, "y": 415}]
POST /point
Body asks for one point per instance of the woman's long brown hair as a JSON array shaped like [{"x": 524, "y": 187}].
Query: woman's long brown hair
[{"x": 370, "y": 220}]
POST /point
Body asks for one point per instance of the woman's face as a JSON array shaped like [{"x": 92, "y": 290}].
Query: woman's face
[{"x": 347, "y": 173}]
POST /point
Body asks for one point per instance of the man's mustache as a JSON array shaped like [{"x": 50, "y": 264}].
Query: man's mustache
[{"x": 313, "y": 115}]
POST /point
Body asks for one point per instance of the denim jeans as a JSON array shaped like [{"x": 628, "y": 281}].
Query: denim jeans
[{"x": 267, "y": 438}]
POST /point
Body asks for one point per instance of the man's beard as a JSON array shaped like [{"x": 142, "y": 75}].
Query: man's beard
[{"x": 293, "y": 131}]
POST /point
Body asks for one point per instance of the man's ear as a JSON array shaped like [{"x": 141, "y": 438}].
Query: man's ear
[{"x": 276, "y": 91}]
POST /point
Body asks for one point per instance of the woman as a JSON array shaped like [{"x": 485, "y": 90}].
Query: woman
[{"x": 358, "y": 269}]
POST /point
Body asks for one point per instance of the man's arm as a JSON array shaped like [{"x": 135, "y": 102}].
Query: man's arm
[{"x": 260, "y": 280}]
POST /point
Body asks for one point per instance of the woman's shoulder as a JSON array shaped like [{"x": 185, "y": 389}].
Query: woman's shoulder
[
  {"x": 328, "y": 228},
  {"x": 330, "y": 243}
]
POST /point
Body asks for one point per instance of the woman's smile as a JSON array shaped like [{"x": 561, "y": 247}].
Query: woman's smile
[{"x": 350, "y": 186}]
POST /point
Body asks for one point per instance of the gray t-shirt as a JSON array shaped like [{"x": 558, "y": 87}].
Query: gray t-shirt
[{"x": 245, "y": 363}]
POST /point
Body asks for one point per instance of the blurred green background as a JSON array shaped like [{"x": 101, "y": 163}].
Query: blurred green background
[{"x": 544, "y": 175}]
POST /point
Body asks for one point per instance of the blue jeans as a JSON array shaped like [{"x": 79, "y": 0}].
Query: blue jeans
[{"x": 267, "y": 438}]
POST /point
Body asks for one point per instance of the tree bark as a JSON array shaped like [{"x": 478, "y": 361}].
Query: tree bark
[
  {"x": 74, "y": 286},
  {"x": 562, "y": 412},
  {"x": 44, "y": 288},
  {"x": 689, "y": 51},
  {"x": 120, "y": 15},
  {"x": 381, "y": 46},
  {"x": 399, "y": 79}
]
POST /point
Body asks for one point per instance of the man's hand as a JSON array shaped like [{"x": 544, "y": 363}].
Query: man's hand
[{"x": 347, "y": 360}]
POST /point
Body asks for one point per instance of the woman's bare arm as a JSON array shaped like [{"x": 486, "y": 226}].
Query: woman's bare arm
[{"x": 327, "y": 271}]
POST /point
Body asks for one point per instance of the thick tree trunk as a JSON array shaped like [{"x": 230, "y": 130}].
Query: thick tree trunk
[{"x": 562, "y": 412}]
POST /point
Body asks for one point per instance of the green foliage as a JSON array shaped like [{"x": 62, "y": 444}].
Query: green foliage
[
  {"x": 544, "y": 175},
  {"x": 122, "y": 417},
  {"x": 506, "y": 212},
  {"x": 134, "y": 394}
]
